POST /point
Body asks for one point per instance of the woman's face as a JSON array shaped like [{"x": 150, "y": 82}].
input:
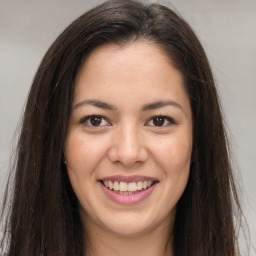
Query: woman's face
[{"x": 129, "y": 141}]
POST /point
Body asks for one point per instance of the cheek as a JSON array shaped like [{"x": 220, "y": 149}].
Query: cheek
[
  {"x": 174, "y": 152},
  {"x": 83, "y": 154},
  {"x": 174, "y": 155}
]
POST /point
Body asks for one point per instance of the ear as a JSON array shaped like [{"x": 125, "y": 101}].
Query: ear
[{"x": 63, "y": 158}]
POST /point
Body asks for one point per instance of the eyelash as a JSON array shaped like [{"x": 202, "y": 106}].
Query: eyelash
[
  {"x": 87, "y": 119},
  {"x": 170, "y": 121}
]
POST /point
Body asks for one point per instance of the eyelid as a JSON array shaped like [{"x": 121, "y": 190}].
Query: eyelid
[
  {"x": 169, "y": 119},
  {"x": 84, "y": 120},
  {"x": 87, "y": 118}
]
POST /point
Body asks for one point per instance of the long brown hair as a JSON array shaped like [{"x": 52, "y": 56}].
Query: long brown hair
[{"x": 44, "y": 218}]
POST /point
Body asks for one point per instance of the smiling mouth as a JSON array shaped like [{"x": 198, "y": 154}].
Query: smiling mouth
[{"x": 128, "y": 188}]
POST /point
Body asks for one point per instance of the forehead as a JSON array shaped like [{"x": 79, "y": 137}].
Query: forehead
[
  {"x": 139, "y": 56},
  {"x": 135, "y": 70}
]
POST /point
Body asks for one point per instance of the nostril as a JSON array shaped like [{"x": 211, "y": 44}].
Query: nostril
[{"x": 127, "y": 152}]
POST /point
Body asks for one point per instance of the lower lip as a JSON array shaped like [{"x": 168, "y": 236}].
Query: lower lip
[{"x": 128, "y": 199}]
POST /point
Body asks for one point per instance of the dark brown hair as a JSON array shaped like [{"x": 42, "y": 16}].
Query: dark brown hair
[{"x": 44, "y": 218}]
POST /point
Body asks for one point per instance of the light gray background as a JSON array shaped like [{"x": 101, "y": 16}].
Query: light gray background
[{"x": 227, "y": 29}]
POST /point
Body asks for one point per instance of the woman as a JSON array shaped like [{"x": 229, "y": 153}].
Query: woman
[{"x": 122, "y": 149}]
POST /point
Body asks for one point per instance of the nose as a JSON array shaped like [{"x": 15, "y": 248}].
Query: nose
[{"x": 128, "y": 147}]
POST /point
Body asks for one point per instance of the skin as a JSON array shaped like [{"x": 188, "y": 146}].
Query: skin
[{"x": 127, "y": 142}]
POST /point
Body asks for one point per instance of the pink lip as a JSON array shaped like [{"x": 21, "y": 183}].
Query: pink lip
[
  {"x": 128, "y": 179},
  {"x": 128, "y": 199}
]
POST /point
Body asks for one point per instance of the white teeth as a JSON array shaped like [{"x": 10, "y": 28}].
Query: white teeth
[
  {"x": 110, "y": 184},
  {"x": 127, "y": 188},
  {"x": 123, "y": 186},
  {"x": 116, "y": 185},
  {"x": 139, "y": 185},
  {"x": 132, "y": 186},
  {"x": 144, "y": 184}
]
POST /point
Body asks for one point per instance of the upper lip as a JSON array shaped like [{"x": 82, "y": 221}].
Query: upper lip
[{"x": 133, "y": 178}]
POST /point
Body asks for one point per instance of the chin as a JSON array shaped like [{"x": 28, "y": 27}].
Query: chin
[
  {"x": 130, "y": 225},
  {"x": 131, "y": 230}
]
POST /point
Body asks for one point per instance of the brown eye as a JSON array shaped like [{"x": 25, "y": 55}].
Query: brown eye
[
  {"x": 158, "y": 121},
  {"x": 95, "y": 120}
]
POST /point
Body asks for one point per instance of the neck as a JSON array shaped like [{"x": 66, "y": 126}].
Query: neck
[{"x": 101, "y": 242}]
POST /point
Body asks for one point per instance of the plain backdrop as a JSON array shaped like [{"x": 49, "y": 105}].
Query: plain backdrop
[{"x": 227, "y": 29}]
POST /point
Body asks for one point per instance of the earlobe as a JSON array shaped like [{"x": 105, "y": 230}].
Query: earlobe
[{"x": 63, "y": 157}]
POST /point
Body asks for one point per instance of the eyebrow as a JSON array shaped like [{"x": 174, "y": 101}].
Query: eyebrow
[
  {"x": 147, "y": 107},
  {"x": 160, "y": 104},
  {"x": 95, "y": 103}
]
